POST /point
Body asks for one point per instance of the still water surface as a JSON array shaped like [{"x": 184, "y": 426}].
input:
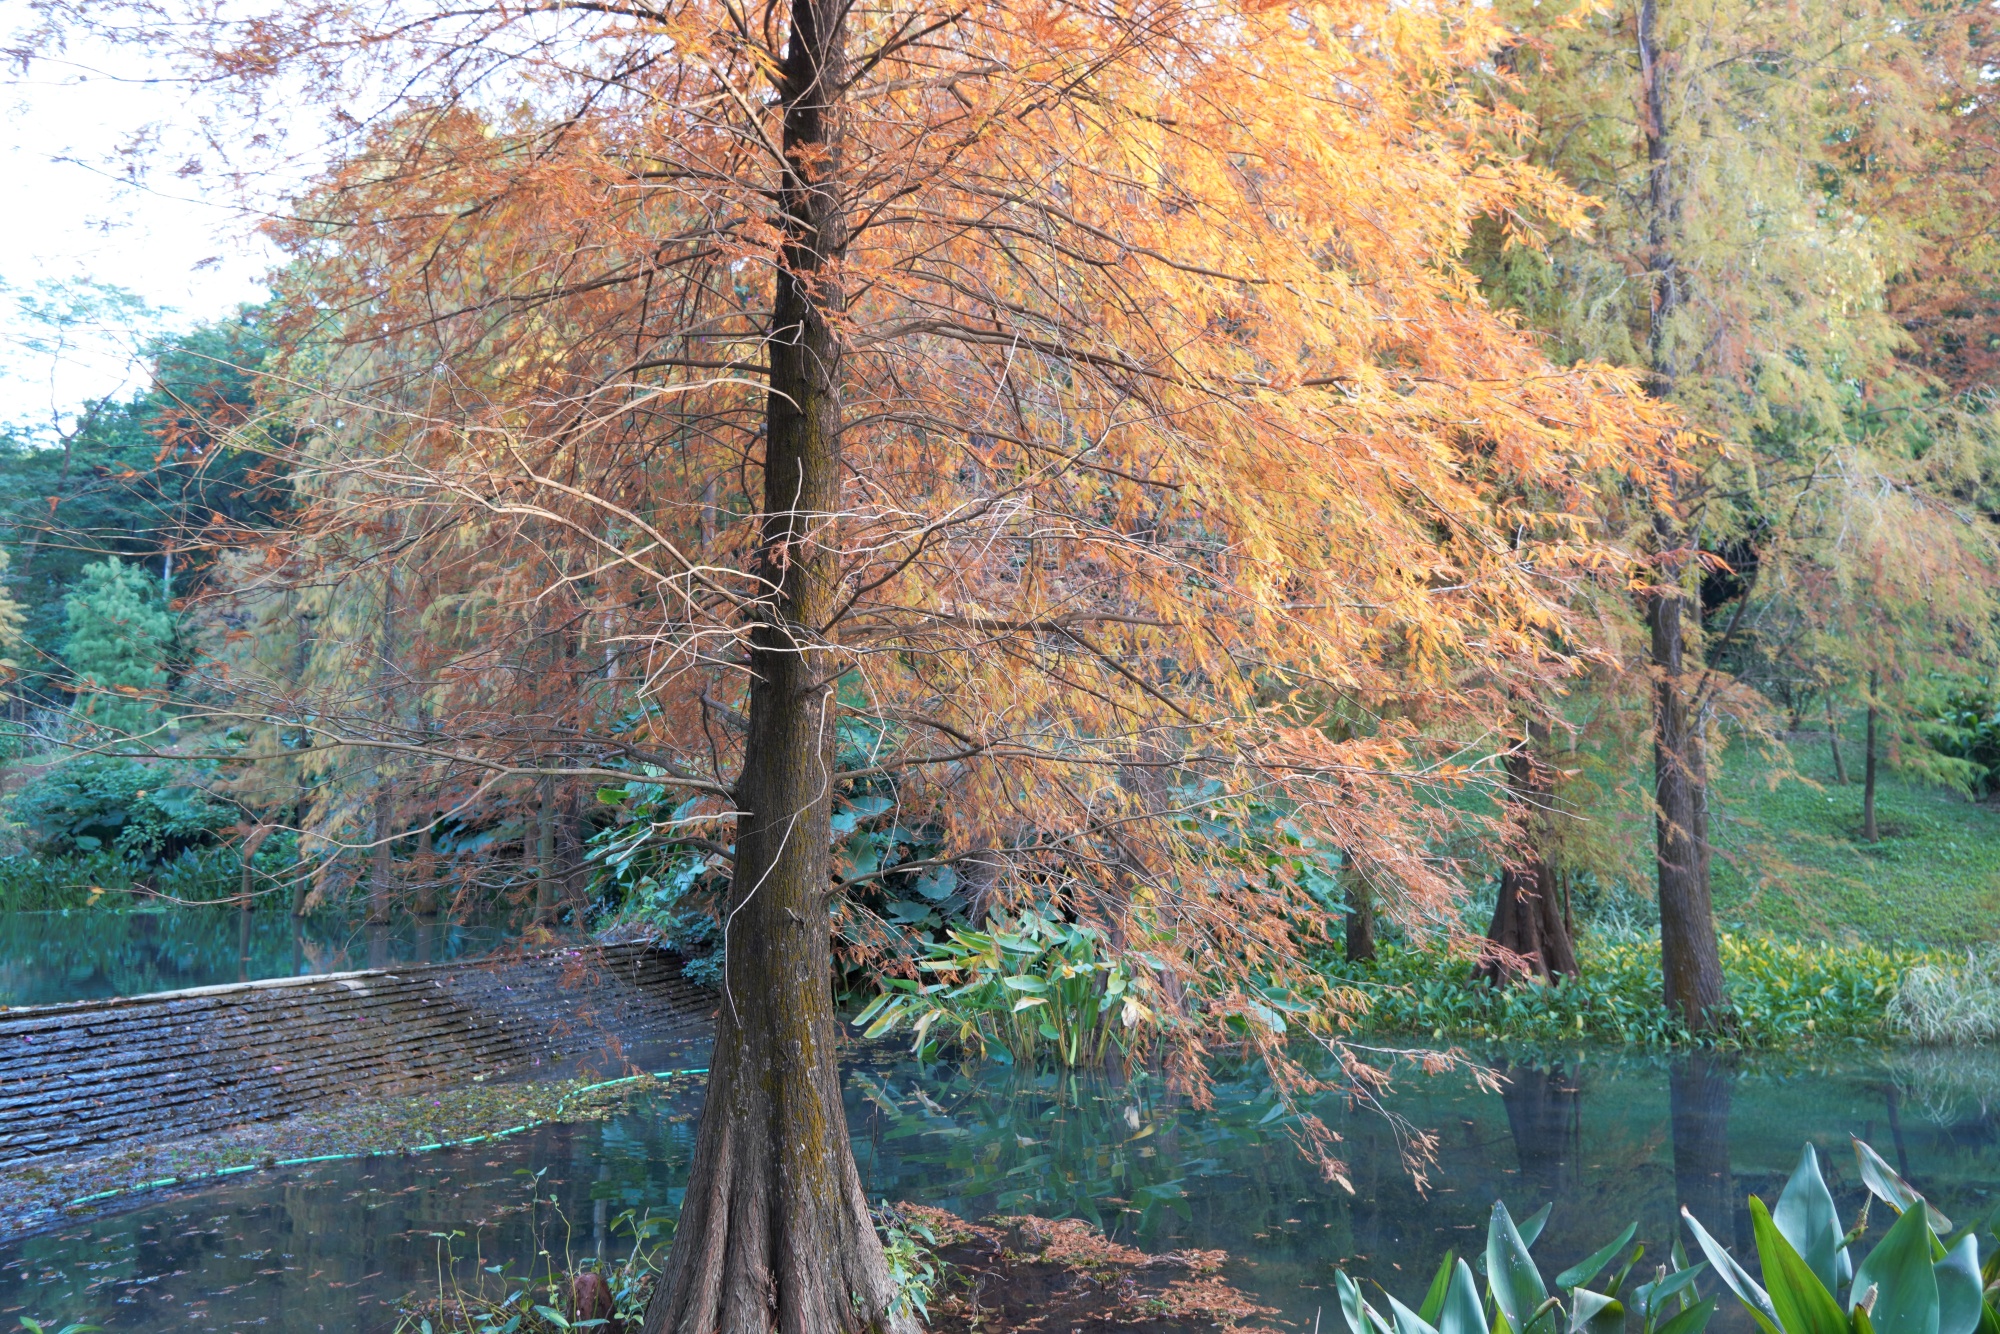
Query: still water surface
[
  {"x": 47, "y": 958},
  {"x": 1607, "y": 1138}
]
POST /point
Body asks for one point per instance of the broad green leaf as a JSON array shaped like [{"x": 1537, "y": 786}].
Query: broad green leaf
[
  {"x": 553, "y": 1316},
  {"x": 1883, "y": 1182},
  {"x": 1899, "y": 1270},
  {"x": 1805, "y": 1216},
  {"x": 1804, "y": 1304},
  {"x": 1583, "y": 1271},
  {"x": 1516, "y": 1284},
  {"x": 1532, "y": 1225},
  {"x": 1959, "y": 1296},
  {"x": 1734, "y": 1277},
  {"x": 1463, "y": 1312},
  {"x": 1691, "y": 1321},
  {"x": 1594, "y": 1313},
  {"x": 1361, "y": 1317},
  {"x": 1408, "y": 1321},
  {"x": 1651, "y": 1297},
  {"x": 1433, "y": 1307}
]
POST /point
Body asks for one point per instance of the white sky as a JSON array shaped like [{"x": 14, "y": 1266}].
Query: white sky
[{"x": 184, "y": 249}]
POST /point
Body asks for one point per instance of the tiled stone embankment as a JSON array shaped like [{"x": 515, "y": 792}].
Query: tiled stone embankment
[{"x": 74, "y": 1078}]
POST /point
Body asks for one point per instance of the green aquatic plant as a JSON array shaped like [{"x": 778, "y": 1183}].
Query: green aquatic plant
[
  {"x": 1921, "y": 1278},
  {"x": 1517, "y": 1300},
  {"x": 1028, "y": 989}
]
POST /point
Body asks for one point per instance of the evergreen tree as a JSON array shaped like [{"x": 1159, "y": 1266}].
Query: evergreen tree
[{"x": 119, "y": 637}]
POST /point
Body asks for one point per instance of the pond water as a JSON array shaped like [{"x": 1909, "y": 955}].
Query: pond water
[
  {"x": 47, "y": 958},
  {"x": 1607, "y": 1139}
]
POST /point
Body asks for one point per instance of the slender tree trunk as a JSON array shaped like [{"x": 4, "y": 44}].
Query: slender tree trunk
[
  {"x": 1869, "y": 833},
  {"x": 1833, "y": 740},
  {"x": 547, "y": 882},
  {"x": 382, "y": 882},
  {"x": 426, "y": 870},
  {"x": 1528, "y": 921},
  {"x": 1360, "y": 915},
  {"x": 775, "y": 1232},
  {"x": 1690, "y": 963}
]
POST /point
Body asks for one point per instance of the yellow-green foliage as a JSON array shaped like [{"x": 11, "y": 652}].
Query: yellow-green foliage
[{"x": 1780, "y": 993}]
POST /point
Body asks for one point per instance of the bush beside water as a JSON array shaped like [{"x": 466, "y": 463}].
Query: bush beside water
[{"x": 1781, "y": 992}]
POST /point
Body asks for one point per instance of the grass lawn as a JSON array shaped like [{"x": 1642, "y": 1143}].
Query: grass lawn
[{"x": 1790, "y": 859}]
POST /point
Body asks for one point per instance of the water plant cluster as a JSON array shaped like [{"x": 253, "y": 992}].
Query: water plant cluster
[
  {"x": 1922, "y": 1277},
  {"x": 1780, "y": 993}
]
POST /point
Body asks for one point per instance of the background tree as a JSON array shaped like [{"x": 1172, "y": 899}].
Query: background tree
[
  {"x": 120, "y": 636},
  {"x": 1741, "y": 262}
]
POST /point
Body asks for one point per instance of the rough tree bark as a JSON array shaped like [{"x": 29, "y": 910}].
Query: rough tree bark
[
  {"x": 1360, "y": 916},
  {"x": 1528, "y": 921},
  {"x": 1690, "y": 962},
  {"x": 775, "y": 1233},
  {"x": 1869, "y": 833}
]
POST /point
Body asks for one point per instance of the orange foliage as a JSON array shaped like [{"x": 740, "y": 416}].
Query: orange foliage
[{"x": 1185, "y": 467}]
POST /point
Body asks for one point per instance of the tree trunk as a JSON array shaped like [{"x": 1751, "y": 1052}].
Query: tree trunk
[
  {"x": 775, "y": 1232},
  {"x": 1690, "y": 960},
  {"x": 1869, "y": 834},
  {"x": 1833, "y": 740},
  {"x": 1690, "y": 964},
  {"x": 382, "y": 882},
  {"x": 1528, "y": 921},
  {"x": 426, "y": 870},
  {"x": 547, "y": 882},
  {"x": 1360, "y": 916}
]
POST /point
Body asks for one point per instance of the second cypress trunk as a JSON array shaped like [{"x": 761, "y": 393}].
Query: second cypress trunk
[{"x": 1869, "y": 833}]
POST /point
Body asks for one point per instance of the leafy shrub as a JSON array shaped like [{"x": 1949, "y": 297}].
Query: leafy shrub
[
  {"x": 29, "y": 883},
  {"x": 1966, "y": 728},
  {"x": 1941, "y": 1003},
  {"x": 654, "y": 876},
  {"x": 651, "y": 880},
  {"x": 1031, "y": 988},
  {"x": 1779, "y": 992},
  {"x": 143, "y": 813}
]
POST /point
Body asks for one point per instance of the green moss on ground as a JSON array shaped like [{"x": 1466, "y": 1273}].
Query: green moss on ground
[{"x": 1790, "y": 860}]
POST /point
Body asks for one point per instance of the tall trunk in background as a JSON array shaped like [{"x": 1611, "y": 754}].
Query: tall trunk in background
[
  {"x": 1690, "y": 962},
  {"x": 775, "y": 1231},
  {"x": 1833, "y": 740},
  {"x": 382, "y": 879},
  {"x": 547, "y": 881},
  {"x": 1528, "y": 921},
  {"x": 1360, "y": 916},
  {"x": 1869, "y": 833},
  {"x": 425, "y": 869}
]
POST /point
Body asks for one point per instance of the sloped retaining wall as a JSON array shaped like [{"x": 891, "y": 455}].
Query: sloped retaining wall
[{"x": 94, "y": 1073}]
